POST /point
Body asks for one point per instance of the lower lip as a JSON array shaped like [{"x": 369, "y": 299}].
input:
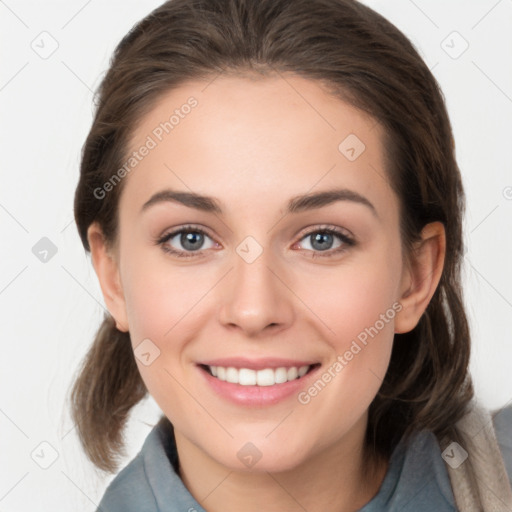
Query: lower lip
[{"x": 257, "y": 395}]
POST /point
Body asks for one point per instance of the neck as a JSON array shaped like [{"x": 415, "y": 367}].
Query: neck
[{"x": 335, "y": 478}]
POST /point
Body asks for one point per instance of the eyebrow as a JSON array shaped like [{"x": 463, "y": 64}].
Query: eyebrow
[{"x": 295, "y": 204}]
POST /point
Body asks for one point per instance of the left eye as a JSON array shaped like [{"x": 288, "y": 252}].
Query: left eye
[
  {"x": 325, "y": 240},
  {"x": 320, "y": 240}
]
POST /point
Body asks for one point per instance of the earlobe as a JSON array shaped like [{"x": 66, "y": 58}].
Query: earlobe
[
  {"x": 107, "y": 269},
  {"x": 421, "y": 277}
]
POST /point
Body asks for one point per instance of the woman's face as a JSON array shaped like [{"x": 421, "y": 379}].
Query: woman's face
[{"x": 290, "y": 263}]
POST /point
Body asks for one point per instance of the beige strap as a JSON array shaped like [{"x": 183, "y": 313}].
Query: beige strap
[{"x": 477, "y": 472}]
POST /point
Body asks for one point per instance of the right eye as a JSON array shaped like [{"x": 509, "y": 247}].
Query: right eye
[{"x": 190, "y": 238}]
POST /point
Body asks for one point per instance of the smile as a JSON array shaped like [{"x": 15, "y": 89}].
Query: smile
[
  {"x": 257, "y": 382},
  {"x": 263, "y": 377}
]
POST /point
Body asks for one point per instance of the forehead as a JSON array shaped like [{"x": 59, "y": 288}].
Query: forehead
[{"x": 268, "y": 137}]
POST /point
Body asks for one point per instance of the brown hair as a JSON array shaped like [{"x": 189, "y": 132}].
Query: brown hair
[{"x": 364, "y": 60}]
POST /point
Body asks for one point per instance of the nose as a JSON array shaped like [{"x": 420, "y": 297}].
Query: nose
[{"x": 256, "y": 298}]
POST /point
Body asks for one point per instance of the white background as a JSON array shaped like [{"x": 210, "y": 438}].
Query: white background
[{"x": 51, "y": 310}]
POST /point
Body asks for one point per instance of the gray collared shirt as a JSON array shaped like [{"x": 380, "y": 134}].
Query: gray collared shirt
[{"x": 416, "y": 480}]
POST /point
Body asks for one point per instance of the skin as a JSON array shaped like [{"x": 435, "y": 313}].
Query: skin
[{"x": 253, "y": 144}]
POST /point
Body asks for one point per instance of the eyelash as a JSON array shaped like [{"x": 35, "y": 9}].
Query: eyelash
[{"x": 347, "y": 241}]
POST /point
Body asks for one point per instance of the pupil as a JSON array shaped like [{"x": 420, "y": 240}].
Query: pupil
[
  {"x": 324, "y": 241},
  {"x": 190, "y": 240}
]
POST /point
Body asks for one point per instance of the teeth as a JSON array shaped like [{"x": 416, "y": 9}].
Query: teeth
[
  {"x": 281, "y": 375},
  {"x": 266, "y": 377},
  {"x": 293, "y": 373},
  {"x": 232, "y": 375},
  {"x": 303, "y": 370},
  {"x": 247, "y": 377}
]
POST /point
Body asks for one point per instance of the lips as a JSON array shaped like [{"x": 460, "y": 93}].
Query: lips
[{"x": 257, "y": 382}]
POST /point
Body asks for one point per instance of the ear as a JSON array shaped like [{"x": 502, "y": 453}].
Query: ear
[
  {"x": 421, "y": 276},
  {"x": 105, "y": 263}
]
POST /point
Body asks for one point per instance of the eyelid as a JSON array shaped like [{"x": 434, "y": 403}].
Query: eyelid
[
  {"x": 170, "y": 232},
  {"x": 324, "y": 227}
]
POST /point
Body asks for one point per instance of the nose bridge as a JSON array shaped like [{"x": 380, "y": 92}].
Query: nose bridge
[{"x": 256, "y": 297}]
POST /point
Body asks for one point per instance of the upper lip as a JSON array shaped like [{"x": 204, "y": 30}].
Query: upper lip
[{"x": 256, "y": 364}]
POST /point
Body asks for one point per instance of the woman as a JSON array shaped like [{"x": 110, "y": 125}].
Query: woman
[{"x": 273, "y": 208}]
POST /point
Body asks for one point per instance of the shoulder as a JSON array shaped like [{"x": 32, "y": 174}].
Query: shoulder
[
  {"x": 150, "y": 482},
  {"x": 426, "y": 474},
  {"x": 130, "y": 490},
  {"x": 416, "y": 479},
  {"x": 502, "y": 419}
]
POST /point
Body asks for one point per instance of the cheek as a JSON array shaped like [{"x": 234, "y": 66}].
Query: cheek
[
  {"x": 160, "y": 306},
  {"x": 151, "y": 303},
  {"x": 166, "y": 304},
  {"x": 360, "y": 350},
  {"x": 357, "y": 308},
  {"x": 348, "y": 301},
  {"x": 157, "y": 295}
]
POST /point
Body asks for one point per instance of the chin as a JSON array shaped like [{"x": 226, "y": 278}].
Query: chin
[{"x": 264, "y": 457}]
